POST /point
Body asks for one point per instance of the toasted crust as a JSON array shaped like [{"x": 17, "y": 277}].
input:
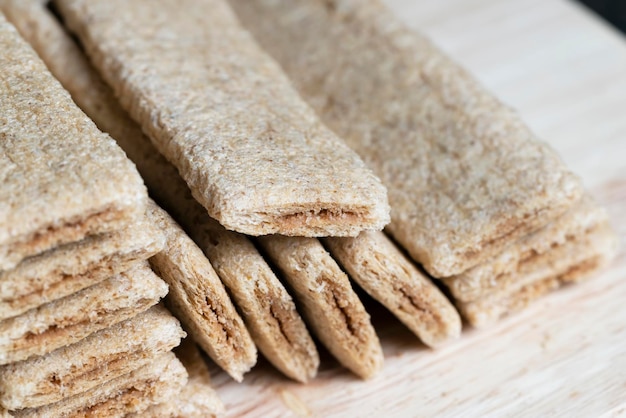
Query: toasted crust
[
  {"x": 197, "y": 399},
  {"x": 377, "y": 265},
  {"x": 552, "y": 248},
  {"x": 268, "y": 309},
  {"x": 465, "y": 176},
  {"x": 98, "y": 358},
  {"x": 328, "y": 303},
  {"x": 159, "y": 381},
  {"x": 585, "y": 256},
  {"x": 64, "y": 270},
  {"x": 51, "y": 194},
  {"x": 259, "y": 163},
  {"x": 198, "y": 298},
  {"x": 72, "y": 318}
]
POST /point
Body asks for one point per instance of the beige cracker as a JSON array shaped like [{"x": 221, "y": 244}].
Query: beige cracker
[
  {"x": 72, "y": 318},
  {"x": 553, "y": 248},
  {"x": 253, "y": 153},
  {"x": 54, "y": 191},
  {"x": 584, "y": 257},
  {"x": 69, "y": 268},
  {"x": 328, "y": 302},
  {"x": 102, "y": 356},
  {"x": 159, "y": 381},
  {"x": 376, "y": 264},
  {"x": 198, "y": 399},
  {"x": 268, "y": 309},
  {"x": 199, "y": 299},
  {"x": 465, "y": 176}
]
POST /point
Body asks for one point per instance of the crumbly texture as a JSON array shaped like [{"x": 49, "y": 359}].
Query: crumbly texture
[
  {"x": 133, "y": 393},
  {"x": 198, "y": 399},
  {"x": 465, "y": 176},
  {"x": 72, "y": 318},
  {"x": 102, "y": 356},
  {"x": 327, "y": 301},
  {"x": 267, "y": 308},
  {"x": 380, "y": 268},
  {"x": 199, "y": 299},
  {"x": 552, "y": 248},
  {"x": 64, "y": 270},
  {"x": 584, "y": 257},
  {"x": 54, "y": 191},
  {"x": 253, "y": 153}
]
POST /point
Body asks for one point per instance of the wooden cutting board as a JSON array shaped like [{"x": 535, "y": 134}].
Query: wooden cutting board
[{"x": 565, "y": 71}]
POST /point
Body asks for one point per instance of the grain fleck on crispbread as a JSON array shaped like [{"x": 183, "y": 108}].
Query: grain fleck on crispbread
[
  {"x": 465, "y": 176},
  {"x": 253, "y": 153}
]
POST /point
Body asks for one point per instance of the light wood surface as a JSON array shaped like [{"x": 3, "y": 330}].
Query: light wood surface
[{"x": 565, "y": 71}]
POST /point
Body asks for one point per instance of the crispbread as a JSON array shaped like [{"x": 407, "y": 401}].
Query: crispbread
[
  {"x": 51, "y": 192},
  {"x": 588, "y": 254},
  {"x": 198, "y": 298},
  {"x": 157, "y": 382},
  {"x": 375, "y": 263},
  {"x": 102, "y": 356},
  {"x": 466, "y": 177},
  {"x": 268, "y": 310},
  {"x": 69, "y": 268},
  {"x": 327, "y": 301},
  {"x": 254, "y": 154},
  {"x": 552, "y": 248},
  {"x": 69, "y": 319},
  {"x": 198, "y": 399}
]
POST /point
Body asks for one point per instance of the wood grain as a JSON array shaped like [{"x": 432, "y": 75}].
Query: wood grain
[{"x": 564, "y": 71}]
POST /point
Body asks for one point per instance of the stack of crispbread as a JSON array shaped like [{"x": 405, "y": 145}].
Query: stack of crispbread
[
  {"x": 475, "y": 197},
  {"x": 80, "y": 329}
]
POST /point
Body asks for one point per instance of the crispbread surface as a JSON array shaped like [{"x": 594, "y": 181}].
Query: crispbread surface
[
  {"x": 159, "y": 381},
  {"x": 253, "y": 153},
  {"x": 71, "y": 267},
  {"x": 98, "y": 358},
  {"x": 69, "y": 319},
  {"x": 199, "y": 299},
  {"x": 380, "y": 268},
  {"x": 327, "y": 301},
  {"x": 62, "y": 179},
  {"x": 465, "y": 176}
]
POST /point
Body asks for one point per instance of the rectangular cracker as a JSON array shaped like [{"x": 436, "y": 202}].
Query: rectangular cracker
[
  {"x": 66, "y": 269},
  {"x": 198, "y": 399},
  {"x": 253, "y": 153},
  {"x": 380, "y": 268},
  {"x": 133, "y": 393},
  {"x": 584, "y": 257},
  {"x": 199, "y": 299},
  {"x": 552, "y": 248},
  {"x": 62, "y": 179},
  {"x": 465, "y": 176},
  {"x": 98, "y": 358},
  {"x": 267, "y": 308},
  {"x": 328, "y": 302},
  {"x": 72, "y": 318}
]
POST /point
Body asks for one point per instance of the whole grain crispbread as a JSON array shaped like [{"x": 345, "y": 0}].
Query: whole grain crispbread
[
  {"x": 380, "y": 268},
  {"x": 98, "y": 358},
  {"x": 54, "y": 191},
  {"x": 71, "y": 267},
  {"x": 132, "y": 393},
  {"x": 327, "y": 301},
  {"x": 72, "y": 318},
  {"x": 253, "y": 153},
  {"x": 465, "y": 176},
  {"x": 199, "y": 299}
]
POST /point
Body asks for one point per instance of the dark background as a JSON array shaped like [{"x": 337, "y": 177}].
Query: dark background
[{"x": 613, "y": 11}]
